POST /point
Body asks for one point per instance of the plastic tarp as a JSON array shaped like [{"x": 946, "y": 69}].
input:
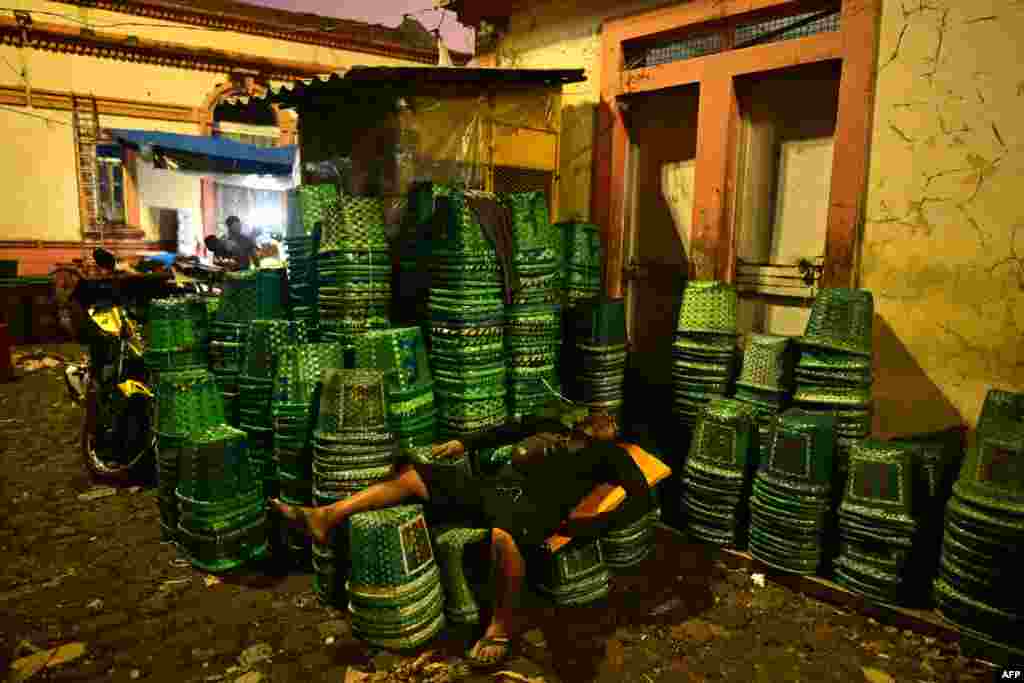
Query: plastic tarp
[
  {"x": 201, "y": 154},
  {"x": 382, "y": 143}
]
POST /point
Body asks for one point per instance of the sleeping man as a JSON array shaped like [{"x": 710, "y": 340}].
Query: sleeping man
[{"x": 527, "y": 501}]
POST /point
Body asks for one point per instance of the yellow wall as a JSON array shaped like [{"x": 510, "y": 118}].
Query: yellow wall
[
  {"x": 944, "y": 203},
  {"x": 37, "y": 169},
  {"x": 37, "y": 159},
  {"x": 943, "y": 247}
]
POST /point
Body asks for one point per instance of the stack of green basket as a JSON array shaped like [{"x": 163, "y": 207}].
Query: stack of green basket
[
  {"x": 462, "y": 233},
  {"x": 186, "y": 402},
  {"x": 266, "y": 341},
  {"x": 401, "y": 354},
  {"x": 938, "y": 457},
  {"x": 223, "y": 522},
  {"x": 177, "y": 334},
  {"x": 226, "y": 351},
  {"x": 791, "y": 505},
  {"x": 314, "y": 200},
  {"x": 833, "y": 374},
  {"x": 533, "y": 320},
  {"x": 352, "y": 449},
  {"x": 250, "y": 295},
  {"x": 395, "y": 595},
  {"x": 533, "y": 339},
  {"x": 984, "y": 537},
  {"x": 574, "y": 575},
  {"x": 876, "y": 524},
  {"x": 583, "y": 261},
  {"x": 354, "y": 270},
  {"x": 717, "y": 474},
  {"x": 704, "y": 350},
  {"x": 630, "y": 545},
  {"x": 302, "y": 280},
  {"x": 296, "y": 384},
  {"x": 766, "y": 381},
  {"x": 598, "y": 366},
  {"x": 536, "y": 249},
  {"x": 467, "y": 355}
]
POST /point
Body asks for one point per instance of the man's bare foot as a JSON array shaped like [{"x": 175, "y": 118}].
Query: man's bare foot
[
  {"x": 311, "y": 521},
  {"x": 493, "y": 648}
]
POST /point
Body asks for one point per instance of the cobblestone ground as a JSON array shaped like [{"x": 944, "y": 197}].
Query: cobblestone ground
[{"x": 88, "y": 592}]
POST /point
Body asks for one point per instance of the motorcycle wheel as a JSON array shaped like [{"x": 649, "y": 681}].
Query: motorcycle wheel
[{"x": 98, "y": 452}]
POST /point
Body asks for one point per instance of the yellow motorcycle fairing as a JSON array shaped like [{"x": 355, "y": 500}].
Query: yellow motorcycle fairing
[
  {"x": 131, "y": 387},
  {"x": 112, "y": 320}
]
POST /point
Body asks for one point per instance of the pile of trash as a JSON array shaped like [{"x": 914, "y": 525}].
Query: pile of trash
[
  {"x": 37, "y": 359},
  {"x": 430, "y": 667}
]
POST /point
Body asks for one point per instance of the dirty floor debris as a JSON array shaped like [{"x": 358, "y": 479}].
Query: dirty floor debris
[{"x": 88, "y": 592}]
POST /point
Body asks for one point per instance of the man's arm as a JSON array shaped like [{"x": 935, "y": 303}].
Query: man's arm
[
  {"x": 613, "y": 467},
  {"x": 506, "y": 434}
]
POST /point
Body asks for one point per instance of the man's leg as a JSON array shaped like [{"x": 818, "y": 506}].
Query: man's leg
[
  {"x": 319, "y": 521},
  {"x": 509, "y": 570}
]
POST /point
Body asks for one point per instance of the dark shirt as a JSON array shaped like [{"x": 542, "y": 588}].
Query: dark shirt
[
  {"x": 242, "y": 248},
  {"x": 530, "y": 500}
]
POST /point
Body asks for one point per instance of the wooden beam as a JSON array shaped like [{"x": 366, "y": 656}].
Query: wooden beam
[
  {"x": 611, "y": 150},
  {"x": 860, "y": 28},
  {"x": 132, "y": 207},
  {"x": 795, "y": 52},
  {"x": 717, "y": 128},
  {"x": 56, "y": 100},
  {"x": 671, "y": 19},
  {"x": 208, "y": 204}
]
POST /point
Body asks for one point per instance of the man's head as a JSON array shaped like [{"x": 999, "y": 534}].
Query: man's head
[
  {"x": 234, "y": 224},
  {"x": 599, "y": 426}
]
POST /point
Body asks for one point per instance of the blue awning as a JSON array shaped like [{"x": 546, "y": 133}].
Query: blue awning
[{"x": 216, "y": 155}]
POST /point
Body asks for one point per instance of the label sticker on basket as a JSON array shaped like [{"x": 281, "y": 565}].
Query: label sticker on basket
[
  {"x": 576, "y": 562},
  {"x": 416, "y": 549},
  {"x": 877, "y": 481},
  {"x": 791, "y": 454},
  {"x": 1001, "y": 466},
  {"x": 717, "y": 442}
]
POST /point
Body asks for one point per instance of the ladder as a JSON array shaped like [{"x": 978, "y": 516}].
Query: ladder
[{"x": 86, "y": 125}]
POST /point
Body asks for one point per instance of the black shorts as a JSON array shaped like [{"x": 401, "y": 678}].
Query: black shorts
[{"x": 454, "y": 496}]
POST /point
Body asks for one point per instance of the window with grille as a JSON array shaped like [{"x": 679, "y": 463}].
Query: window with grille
[
  {"x": 674, "y": 50},
  {"x": 110, "y": 184},
  {"x": 710, "y": 41},
  {"x": 786, "y": 28}
]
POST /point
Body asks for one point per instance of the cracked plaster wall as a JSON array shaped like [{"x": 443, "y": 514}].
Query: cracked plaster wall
[
  {"x": 943, "y": 247},
  {"x": 943, "y": 242}
]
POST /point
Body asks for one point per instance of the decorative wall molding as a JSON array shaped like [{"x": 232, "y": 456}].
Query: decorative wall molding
[
  {"x": 108, "y": 106},
  {"x": 78, "y": 41},
  {"x": 292, "y": 27}
]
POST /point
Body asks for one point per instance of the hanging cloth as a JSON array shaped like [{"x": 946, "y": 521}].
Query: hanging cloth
[{"x": 496, "y": 221}]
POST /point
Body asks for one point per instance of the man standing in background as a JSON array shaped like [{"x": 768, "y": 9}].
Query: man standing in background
[{"x": 242, "y": 248}]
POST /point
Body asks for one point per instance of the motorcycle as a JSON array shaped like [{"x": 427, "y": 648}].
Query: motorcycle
[{"x": 113, "y": 383}]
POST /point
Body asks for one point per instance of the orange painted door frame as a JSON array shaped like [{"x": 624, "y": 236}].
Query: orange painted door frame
[{"x": 712, "y": 242}]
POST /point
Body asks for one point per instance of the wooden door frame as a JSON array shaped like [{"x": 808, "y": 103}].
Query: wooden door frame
[{"x": 718, "y": 123}]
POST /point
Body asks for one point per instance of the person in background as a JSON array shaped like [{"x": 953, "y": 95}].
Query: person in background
[
  {"x": 523, "y": 504},
  {"x": 221, "y": 252},
  {"x": 242, "y": 247}
]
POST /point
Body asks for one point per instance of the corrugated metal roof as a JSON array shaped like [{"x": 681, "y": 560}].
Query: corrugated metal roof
[{"x": 412, "y": 78}]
